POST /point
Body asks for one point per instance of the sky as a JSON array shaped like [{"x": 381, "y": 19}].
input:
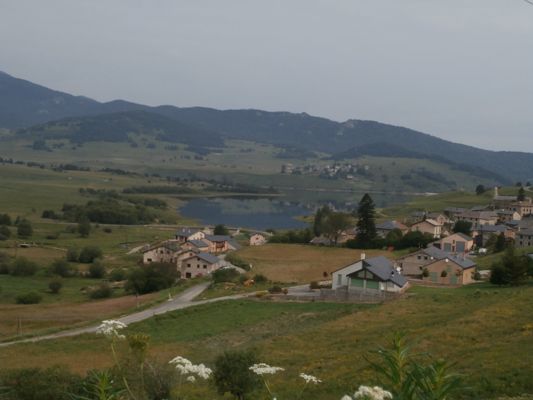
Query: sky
[{"x": 458, "y": 69}]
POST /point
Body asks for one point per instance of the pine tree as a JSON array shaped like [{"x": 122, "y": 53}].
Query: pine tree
[
  {"x": 521, "y": 194},
  {"x": 366, "y": 223}
]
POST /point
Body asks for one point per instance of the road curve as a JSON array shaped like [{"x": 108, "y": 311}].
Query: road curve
[{"x": 184, "y": 300}]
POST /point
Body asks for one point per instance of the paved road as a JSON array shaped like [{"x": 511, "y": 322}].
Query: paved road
[{"x": 184, "y": 300}]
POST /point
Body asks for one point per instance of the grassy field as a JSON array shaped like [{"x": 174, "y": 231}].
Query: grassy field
[
  {"x": 292, "y": 263},
  {"x": 487, "y": 331}
]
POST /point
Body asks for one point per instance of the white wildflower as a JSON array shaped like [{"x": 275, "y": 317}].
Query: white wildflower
[
  {"x": 310, "y": 378},
  {"x": 186, "y": 367},
  {"x": 110, "y": 328},
  {"x": 265, "y": 369},
  {"x": 372, "y": 393},
  {"x": 346, "y": 397},
  {"x": 191, "y": 379}
]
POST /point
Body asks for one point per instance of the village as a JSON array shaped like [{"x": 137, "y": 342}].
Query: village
[{"x": 458, "y": 235}]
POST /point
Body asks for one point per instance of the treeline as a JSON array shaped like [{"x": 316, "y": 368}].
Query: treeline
[{"x": 108, "y": 211}]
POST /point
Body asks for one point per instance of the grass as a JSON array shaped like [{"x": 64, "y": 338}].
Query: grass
[
  {"x": 292, "y": 263},
  {"x": 487, "y": 331}
]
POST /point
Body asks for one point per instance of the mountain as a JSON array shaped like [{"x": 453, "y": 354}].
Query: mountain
[{"x": 23, "y": 104}]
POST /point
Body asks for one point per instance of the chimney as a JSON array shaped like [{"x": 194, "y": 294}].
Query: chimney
[{"x": 363, "y": 256}]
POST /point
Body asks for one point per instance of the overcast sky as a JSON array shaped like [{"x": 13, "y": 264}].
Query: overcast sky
[{"x": 458, "y": 69}]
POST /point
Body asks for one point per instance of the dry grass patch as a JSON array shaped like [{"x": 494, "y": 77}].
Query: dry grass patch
[{"x": 300, "y": 263}]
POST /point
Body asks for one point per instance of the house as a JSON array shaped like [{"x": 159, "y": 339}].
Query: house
[
  {"x": 487, "y": 231},
  {"x": 376, "y": 274},
  {"x": 384, "y": 228},
  {"x": 429, "y": 226},
  {"x": 221, "y": 243},
  {"x": 453, "y": 212},
  {"x": 200, "y": 264},
  {"x": 437, "y": 266},
  {"x": 321, "y": 241},
  {"x": 257, "y": 239},
  {"x": 201, "y": 245},
  {"x": 508, "y": 215},
  {"x": 499, "y": 201},
  {"x": 417, "y": 216},
  {"x": 523, "y": 208},
  {"x": 164, "y": 252},
  {"x": 183, "y": 235},
  {"x": 479, "y": 218},
  {"x": 440, "y": 218},
  {"x": 455, "y": 243},
  {"x": 524, "y": 238}
]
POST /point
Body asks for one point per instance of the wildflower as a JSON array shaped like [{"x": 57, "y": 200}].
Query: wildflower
[
  {"x": 186, "y": 367},
  {"x": 372, "y": 393},
  {"x": 310, "y": 378},
  {"x": 265, "y": 369},
  {"x": 191, "y": 379},
  {"x": 110, "y": 328}
]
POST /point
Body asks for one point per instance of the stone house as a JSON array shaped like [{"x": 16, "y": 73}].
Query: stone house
[
  {"x": 455, "y": 243},
  {"x": 429, "y": 226},
  {"x": 524, "y": 238},
  {"x": 384, "y": 228},
  {"x": 183, "y": 235},
  {"x": 257, "y": 239},
  {"x": 199, "y": 264}
]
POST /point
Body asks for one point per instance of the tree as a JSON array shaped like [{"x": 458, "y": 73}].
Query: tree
[
  {"x": 500, "y": 243},
  {"x": 23, "y": 267},
  {"x": 232, "y": 374},
  {"x": 62, "y": 268},
  {"x": 320, "y": 216},
  {"x": 480, "y": 189},
  {"x": 72, "y": 254},
  {"x": 516, "y": 267},
  {"x": 463, "y": 227},
  {"x": 55, "y": 286},
  {"x": 521, "y": 194},
  {"x": 366, "y": 223},
  {"x": 84, "y": 227},
  {"x": 221, "y": 229},
  {"x": 151, "y": 278},
  {"x": 334, "y": 224},
  {"x": 89, "y": 253},
  {"x": 24, "y": 229},
  {"x": 498, "y": 275},
  {"x": 5, "y": 233},
  {"x": 96, "y": 270},
  {"x": 5, "y": 219}
]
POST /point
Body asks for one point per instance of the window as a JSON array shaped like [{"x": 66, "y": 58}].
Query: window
[
  {"x": 188, "y": 265},
  {"x": 339, "y": 279},
  {"x": 205, "y": 266}
]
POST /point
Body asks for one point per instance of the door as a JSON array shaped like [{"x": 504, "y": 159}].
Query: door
[
  {"x": 433, "y": 276},
  {"x": 357, "y": 283},
  {"x": 453, "y": 278},
  {"x": 372, "y": 285},
  {"x": 460, "y": 247}
]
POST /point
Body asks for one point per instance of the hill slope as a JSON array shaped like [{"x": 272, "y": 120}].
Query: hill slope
[{"x": 23, "y": 104}]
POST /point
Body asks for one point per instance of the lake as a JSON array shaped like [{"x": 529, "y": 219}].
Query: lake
[{"x": 241, "y": 212}]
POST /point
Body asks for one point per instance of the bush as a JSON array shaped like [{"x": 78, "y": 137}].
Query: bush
[
  {"x": 84, "y": 227},
  {"x": 108, "y": 230},
  {"x": 55, "y": 383},
  {"x": 23, "y": 267},
  {"x": 5, "y": 232},
  {"x": 314, "y": 285},
  {"x": 55, "y": 286},
  {"x": 275, "y": 289},
  {"x": 5, "y": 219},
  {"x": 232, "y": 373},
  {"x": 225, "y": 275},
  {"x": 259, "y": 278},
  {"x": 89, "y": 253},
  {"x": 103, "y": 291},
  {"x": 61, "y": 268},
  {"x": 237, "y": 261},
  {"x": 49, "y": 214},
  {"x": 151, "y": 278},
  {"x": 73, "y": 255},
  {"x": 117, "y": 275},
  {"x": 97, "y": 270},
  {"x": 24, "y": 229},
  {"x": 443, "y": 274},
  {"x": 29, "y": 298}
]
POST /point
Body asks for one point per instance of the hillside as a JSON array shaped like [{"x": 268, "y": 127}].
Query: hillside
[{"x": 23, "y": 104}]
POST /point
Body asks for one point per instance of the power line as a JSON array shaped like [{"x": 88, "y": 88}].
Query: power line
[{"x": 529, "y": 2}]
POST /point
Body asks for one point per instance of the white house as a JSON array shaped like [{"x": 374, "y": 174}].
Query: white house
[
  {"x": 377, "y": 273},
  {"x": 257, "y": 239},
  {"x": 187, "y": 234}
]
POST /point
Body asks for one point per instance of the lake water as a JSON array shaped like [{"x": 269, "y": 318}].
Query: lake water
[{"x": 252, "y": 213}]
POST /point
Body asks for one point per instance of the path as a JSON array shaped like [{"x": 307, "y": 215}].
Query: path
[{"x": 184, "y": 300}]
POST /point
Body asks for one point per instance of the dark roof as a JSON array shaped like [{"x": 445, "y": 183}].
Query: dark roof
[
  {"x": 218, "y": 238},
  {"x": 463, "y": 262},
  {"x": 233, "y": 243},
  {"x": 493, "y": 228},
  {"x": 167, "y": 245},
  {"x": 454, "y": 210},
  {"x": 390, "y": 225},
  {"x": 199, "y": 243},
  {"x": 383, "y": 269},
  {"x": 526, "y": 232},
  {"x": 187, "y": 231},
  {"x": 206, "y": 257},
  {"x": 505, "y": 198}
]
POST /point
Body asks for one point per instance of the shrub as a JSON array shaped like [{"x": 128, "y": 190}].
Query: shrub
[
  {"x": 237, "y": 261},
  {"x": 49, "y": 214},
  {"x": 151, "y": 278},
  {"x": 443, "y": 274},
  {"x": 5, "y": 219},
  {"x": 55, "y": 383},
  {"x": 314, "y": 285},
  {"x": 71, "y": 229},
  {"x": 73, "y": 255},
  {"x": 108, "y": 230},
  {"x": 117, "y": 274},
  {"x": 425, "y": 273},
  {"x": 52, "y": 236},
  {"x": 225, "y": 275},
  {"x": 61, "y": 268},
  {"x": 24, "y": 229},
  {"x": 84, "y": 227},
  {"x": 259, "y": 278},
  {"x": 29, "y": 298},
  {"x": 23, "y": 267},
  {"x": 89, "y": 253},
  {"x": 103, "y": 291},
  {"x": 221, "y": 229},
  {"x": 5, "y": 232},
  {"x": 275, "y": 289},
  {"x": 55, "y": 286},
  {"x": 232, "y": 373},
  {"x": 97, "y": 270}
]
